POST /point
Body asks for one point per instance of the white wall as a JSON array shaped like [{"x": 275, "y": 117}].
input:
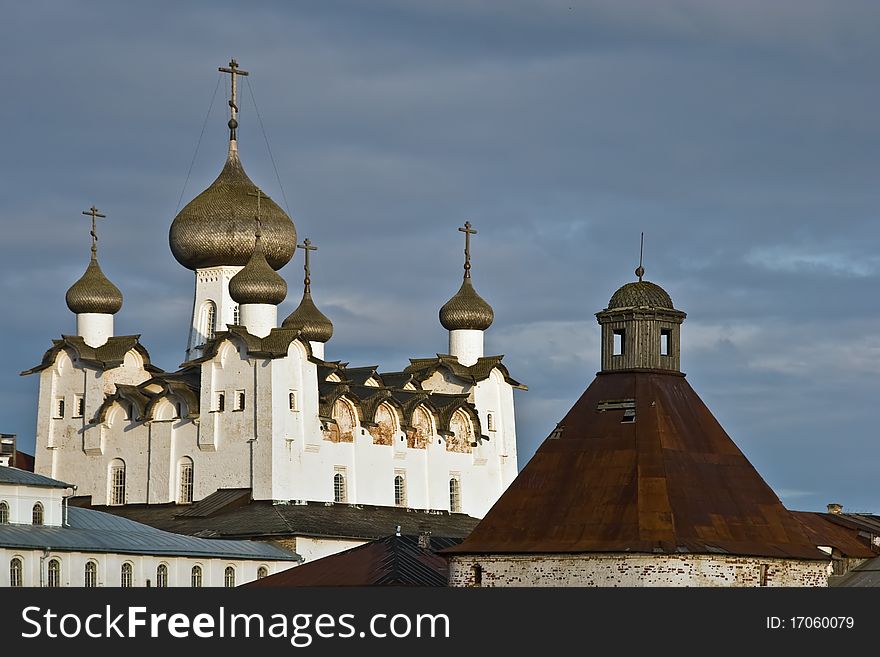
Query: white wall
[
  {"x": 143, "y": 568},
  {"x": 21, "y": 501}
]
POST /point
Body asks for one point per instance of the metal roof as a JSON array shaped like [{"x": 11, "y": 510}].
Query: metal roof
[
  {"x": 865, "y": 574},
  {"x": 823, "y": 530},
  {"x": 10, "y": 475},
  {"x": 668, "y": 480},
  {"x": 265, "y": 519},
  {"x": 94, "y": 531},
  {"x": 389, "y": 561}
]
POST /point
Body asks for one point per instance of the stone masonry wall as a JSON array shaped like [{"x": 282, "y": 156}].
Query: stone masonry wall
[{"x": 633, "y": 570}]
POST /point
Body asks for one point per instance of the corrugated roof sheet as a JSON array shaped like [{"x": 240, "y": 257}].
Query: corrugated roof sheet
[
  {"x": 10, "y": 475},
  {"x": 671, "y": 481},
  {"x": 389, "y": 561},
  {"x": 94, "y": 531}
]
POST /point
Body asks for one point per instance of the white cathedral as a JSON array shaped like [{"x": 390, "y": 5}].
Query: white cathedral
[{"x": 256, "y": 405}]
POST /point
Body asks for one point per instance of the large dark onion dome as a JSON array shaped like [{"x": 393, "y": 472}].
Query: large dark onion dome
[
  {"x": 640, "y": 294},
  {"x": 93, "y": 292},
  {"x": 217, "y": 226},
  {"x": 311, "y": 322},
  {"x": 257, "y": 282},
  {"x": 466, "y": 310}
]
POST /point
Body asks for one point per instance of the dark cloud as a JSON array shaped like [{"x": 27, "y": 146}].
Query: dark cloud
[{"x": 741, "y": 137}]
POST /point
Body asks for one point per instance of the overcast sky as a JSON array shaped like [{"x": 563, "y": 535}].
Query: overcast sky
[{"x": 742, "y": 137}]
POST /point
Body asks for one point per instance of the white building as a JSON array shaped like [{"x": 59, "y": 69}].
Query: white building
[
  {"x": 45, "y": 543},
  {"x": 257, "y": 404}
]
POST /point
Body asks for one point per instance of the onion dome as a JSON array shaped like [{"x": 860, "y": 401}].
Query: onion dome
[
  {"x": 311, "y": 322},
  {"x": 466, "y": 310},
  {"x": 93, "y": 292},
  {"x": 216, "y": 227},
  {"x": 640, "y": 294},
  {"x": 257, "y": 282}
]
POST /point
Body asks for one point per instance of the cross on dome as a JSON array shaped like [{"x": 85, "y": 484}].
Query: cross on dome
[
  {"x": 233, "y": 70},
  {"x": 94, "y": 214}
]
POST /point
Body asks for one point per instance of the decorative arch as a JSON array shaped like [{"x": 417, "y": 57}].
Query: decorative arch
[
  {"x": 163, "y": 408},
  {"x": 133, "y": 360},
  {"x": 461, "y": 430},
  {"x": 386, "y": 425},
  {"x": 423, "y": 427},
  {"x": 62, "y": 362},
  {"x": 345, "y": 417}
]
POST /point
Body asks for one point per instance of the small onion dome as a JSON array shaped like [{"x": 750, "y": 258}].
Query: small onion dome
[
  {"x": 217, "y": 226},
  {"x": 640, "y": 294},
  {"x": 94, "y": 293},
  {"x": 257, "y": 282},
  {"x": 313, "y": 324},
  {"x": 466, "y": 310}
]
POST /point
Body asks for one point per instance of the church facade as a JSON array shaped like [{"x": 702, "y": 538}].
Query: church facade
[{"x": 256, "y": 404}]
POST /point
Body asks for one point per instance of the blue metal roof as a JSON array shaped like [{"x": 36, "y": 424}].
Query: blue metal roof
[
  {"x": 10, "y": 475},
  {"x": 95, "y": 531}
]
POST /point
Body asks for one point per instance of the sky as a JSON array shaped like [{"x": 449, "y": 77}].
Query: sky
[{"x": 742, "y": 138}]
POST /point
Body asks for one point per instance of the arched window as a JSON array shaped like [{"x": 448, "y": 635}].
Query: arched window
[
  {"x": 196, "y": 577},
  {"x": 91, "y": 574},
  {"x": 455, "y": 495},
  {"x": 16, "y": 578},
  {"x": 162, "y": 576},
  {"x": 229, "y": 577},
  {"x": 117, "y": 481},
  {"x": 185, "y": 470},
  {"x": 4, "y": 513},
  {"x": 399, "y": 491},
  {"x": 209, "y": 321},
  {"x": 37, "y": 514},
  {"x": 262, "y": 572},
  {"x": 126, "y": 576},
  {"x": 339, "y": 493},
  {"x": 54, "y": 580},
  {"x": 236, "y": 315}
]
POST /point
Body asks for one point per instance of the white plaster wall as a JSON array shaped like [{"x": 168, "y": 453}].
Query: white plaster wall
[
  {"x": 211, "y": 284},
  {"x": 60, "y": 442},
  {"x": 143, "y": 568},
  {"x": 21, "y": 501},
  {"x": 635, "y": 570},
  {"x": 94, "y": 328},
  {"x": 466, "y": 345},
  {"x": 259, "y": 318},
  {"x": 311, "y": 549}
]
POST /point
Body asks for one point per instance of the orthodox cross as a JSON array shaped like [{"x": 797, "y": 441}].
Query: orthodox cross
[
  {"x": 640, "y": 271},
  {"x": 307, "y": 246},
  {"x": 94, "y": 214},
  {"x": 467, "y": 247},
  {"x": 259, "y": 195},
  {"x": 233, "y": 70}
]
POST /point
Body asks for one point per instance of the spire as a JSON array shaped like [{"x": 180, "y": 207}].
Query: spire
[
  {"x": 313, "y": 325},
  {"x": 257, "y": 282},
  {"x": 466, "y": 310},
  {"x": 233, "y": 70},
  {"x": 93, "y": 292}
]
